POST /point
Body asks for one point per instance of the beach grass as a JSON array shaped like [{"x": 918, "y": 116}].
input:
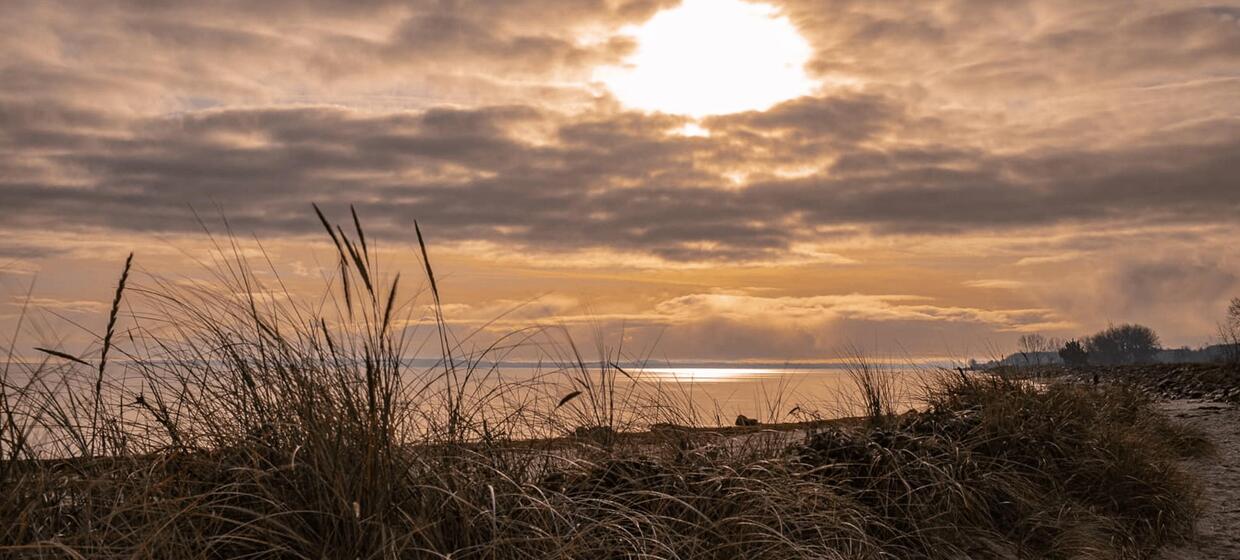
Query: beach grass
[{"x": 231, "y": 423}]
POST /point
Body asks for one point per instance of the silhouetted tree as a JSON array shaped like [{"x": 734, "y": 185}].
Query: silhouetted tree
[
  {"x": 1073, "y": 353},
  {"x": 1229, "y": 332},
  {"x": 1125, "y": 344}
]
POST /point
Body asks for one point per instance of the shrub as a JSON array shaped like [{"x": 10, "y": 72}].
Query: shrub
[
  {"x": 1104, "y": 456},
  {"x": 1073, "y": 353},
  {"x": 1125, "y": 344}
]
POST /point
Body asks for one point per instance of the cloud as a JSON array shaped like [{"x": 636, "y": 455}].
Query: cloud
[
  {"x": 995, "y": 284},
  {"x": 1039, "y": 133},
  {"x": 1179, "y": 286},
  {"x": 815, "y": 309},
  {"x": 1185, "y": 293},
  {"x": 82, "y": 307},
  {"x": 1047, "y": 259},
  {"x": 146, "y": 111},
  {"x": 976, "y": 46},
  {"x": 741, "y": 325},
  {"x": 531, "y": 177}
]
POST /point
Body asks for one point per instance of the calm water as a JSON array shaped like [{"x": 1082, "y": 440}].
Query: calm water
[
  {"x": 718, "y": 393},
  {"x": 824, "y": 391},
  {"x": 702, "y": 395}
]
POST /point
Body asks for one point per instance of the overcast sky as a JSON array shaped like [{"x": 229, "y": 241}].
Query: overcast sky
[{"x": 957, "y": 173}]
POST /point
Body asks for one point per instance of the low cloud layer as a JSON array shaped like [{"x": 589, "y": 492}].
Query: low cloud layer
[{"x": 537, "y": 178}]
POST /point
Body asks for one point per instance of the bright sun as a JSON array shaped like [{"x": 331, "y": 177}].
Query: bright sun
[{"x": 710, "y": 57}]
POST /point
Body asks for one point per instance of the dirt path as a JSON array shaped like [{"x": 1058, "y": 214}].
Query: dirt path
[{"x": 1219, "y": 530}]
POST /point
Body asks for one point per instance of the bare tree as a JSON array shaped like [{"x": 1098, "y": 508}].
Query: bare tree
[
  {"x": 1034, "y": 348},
  {"x": 1229, "y": 332}
]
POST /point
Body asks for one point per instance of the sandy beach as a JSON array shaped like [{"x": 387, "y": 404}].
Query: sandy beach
[{"x": 1218, "y": 531}]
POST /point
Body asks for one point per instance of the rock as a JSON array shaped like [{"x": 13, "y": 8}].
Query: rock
[
  {"x": 599, "y": 434},
  {"x": 667, "y": 427},
  {"x": 742, "y": 420}
]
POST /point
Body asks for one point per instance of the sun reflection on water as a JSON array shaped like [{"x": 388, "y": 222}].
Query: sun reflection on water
[{"x": 716, "y": 374}]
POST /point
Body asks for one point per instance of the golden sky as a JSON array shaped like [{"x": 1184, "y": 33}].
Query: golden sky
[{"x": 726, "y": 180}]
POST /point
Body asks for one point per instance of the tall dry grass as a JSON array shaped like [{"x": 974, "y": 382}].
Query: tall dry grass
[{"x": 227, "y": 421}]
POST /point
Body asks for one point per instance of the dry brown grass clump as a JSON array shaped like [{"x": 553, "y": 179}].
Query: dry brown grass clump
[
  {"x": 1001, "y": 467},
  {"x": 231, "y": 424}
]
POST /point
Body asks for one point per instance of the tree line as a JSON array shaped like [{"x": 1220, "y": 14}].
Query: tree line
[
  {"x": 1123, "y": 344},
  {"x": 1117, "y": 344}
]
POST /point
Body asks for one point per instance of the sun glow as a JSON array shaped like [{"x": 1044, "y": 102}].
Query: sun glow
[
  {"x": 715, "y": 374},
  {"x": 710, "y": 57}
]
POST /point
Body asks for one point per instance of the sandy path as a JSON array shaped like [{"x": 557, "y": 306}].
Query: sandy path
[{"x": 1218, "y": 532}]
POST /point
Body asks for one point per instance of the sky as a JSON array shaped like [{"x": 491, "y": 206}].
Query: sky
[{"x": 707, "y": 180}]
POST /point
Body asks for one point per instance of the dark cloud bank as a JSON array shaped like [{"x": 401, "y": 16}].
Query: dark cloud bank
[
  {"x": 81, "y": 145},
  {"x": 616, "y": 180}
]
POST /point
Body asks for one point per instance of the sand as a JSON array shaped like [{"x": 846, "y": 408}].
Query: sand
[{"x": 1218, "y": 532}]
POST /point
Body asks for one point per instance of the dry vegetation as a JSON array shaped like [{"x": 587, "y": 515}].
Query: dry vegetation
[{"x": 232, "y": 424}]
